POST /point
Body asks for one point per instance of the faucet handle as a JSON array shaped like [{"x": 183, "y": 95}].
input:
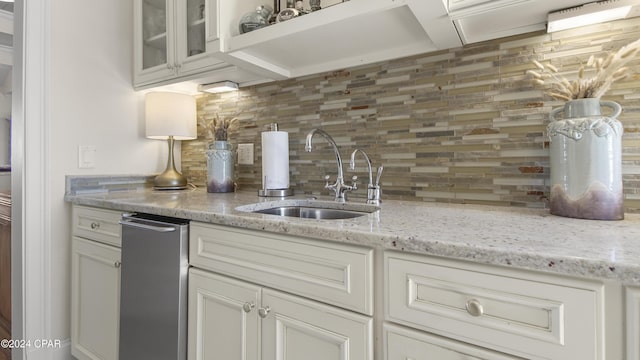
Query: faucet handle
[
  {"x": 355, "y": 184},
  {"x": 380, "y": 168},
  {"x": 326, "y": 182}
]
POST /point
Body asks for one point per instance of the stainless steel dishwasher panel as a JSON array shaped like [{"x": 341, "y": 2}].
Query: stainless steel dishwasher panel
[{"x": 153, "y": 290}]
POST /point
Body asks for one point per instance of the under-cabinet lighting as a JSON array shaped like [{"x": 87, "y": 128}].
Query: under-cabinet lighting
[
  {"x": 588, "y": 14},
  {"x": 218, "y": 87}
]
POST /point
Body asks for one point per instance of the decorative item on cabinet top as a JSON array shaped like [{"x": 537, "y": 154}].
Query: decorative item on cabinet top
[
  {"x": 586, "y": 147},
  {"x": 257, "y": 19},
  {"x": 282, "y": 10}
]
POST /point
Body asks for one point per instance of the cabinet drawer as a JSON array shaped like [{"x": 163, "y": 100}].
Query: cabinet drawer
[
  {"x": 336, "y": 274},
  {"x": 401, "y": 344},
  {"x": 97, "y": 224},
  {"x": 527, "y": 314}
]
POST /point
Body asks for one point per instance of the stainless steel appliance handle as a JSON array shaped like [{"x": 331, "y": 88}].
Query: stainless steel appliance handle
[{"x": 133, "y": 223}]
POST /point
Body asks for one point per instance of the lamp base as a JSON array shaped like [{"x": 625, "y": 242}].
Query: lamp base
[{"x": 170, "y": 180}]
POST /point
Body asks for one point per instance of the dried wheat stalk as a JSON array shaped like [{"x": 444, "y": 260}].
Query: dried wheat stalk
[
  {"x": 218, "y": 129},
  {"x": 607, "y": 71}
]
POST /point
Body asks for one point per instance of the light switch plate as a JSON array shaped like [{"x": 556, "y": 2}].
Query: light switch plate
[
  {"x": 86, "y": 157},
  {"x": 245, "y": 154}
]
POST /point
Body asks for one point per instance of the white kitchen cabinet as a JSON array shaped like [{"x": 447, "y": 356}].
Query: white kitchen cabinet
[
  {"x": 372, "y": 31},
  {"x": 95, "y": 283},
  {"x": 531, "y": 315},
  {"x": 368, "y": 31},
  {"x": 223, "y": 319},
  {"x": 633, "y": 322},
  {"x": 482, "y": 20},
  {"x": 95, "y": 300},
  {"x": 297, "y": 328},
  {"x": 171, "y": 39},
  {"x": 232, "y": 319},
  {"x": 333, "y": 273},
  {"x": 402, "y": 343}
]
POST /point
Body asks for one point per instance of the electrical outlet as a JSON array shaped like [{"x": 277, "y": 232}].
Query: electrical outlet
[{"x": 245, "y": 154}]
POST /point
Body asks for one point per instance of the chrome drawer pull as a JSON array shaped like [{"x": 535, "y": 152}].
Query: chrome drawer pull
[
  {"x": 247, "y": 307},
  {"x": 95, "y": 225},
  {"x": 117, "y": 264},
  {"x": 474, "y": 308},
  {"x": 263, "y": 312}
]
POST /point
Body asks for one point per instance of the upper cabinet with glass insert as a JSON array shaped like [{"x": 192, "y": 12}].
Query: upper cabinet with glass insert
[{"x": 171, "y": 37}]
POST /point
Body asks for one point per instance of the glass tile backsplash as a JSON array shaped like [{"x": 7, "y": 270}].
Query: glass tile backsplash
[{"x": 463, "y": 125}]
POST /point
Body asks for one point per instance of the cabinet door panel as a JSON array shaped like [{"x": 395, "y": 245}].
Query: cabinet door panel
[
  {"x": 155, "y": 32},
  {"x": 402, "y": 344},
  {"x": 191, "y": 44},
  {"x": 633, "y": 323},
  {"x": 153, "y": 40},
  {"x": 95, "y": 300},
  {"x": 296, "y": 328},
  {"x": 220, "y": 327}
]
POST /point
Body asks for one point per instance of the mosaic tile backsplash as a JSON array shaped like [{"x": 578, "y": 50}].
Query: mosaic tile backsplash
[{"x": 463, "y": 125}]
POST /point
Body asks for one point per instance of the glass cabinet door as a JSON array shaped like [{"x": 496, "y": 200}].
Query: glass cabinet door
[
  {"x": 155, "y": 40},
  {"x": 195, "y": 28},
  {"x": 191, "y": 46},
  {"x": 170, "y": 39}
]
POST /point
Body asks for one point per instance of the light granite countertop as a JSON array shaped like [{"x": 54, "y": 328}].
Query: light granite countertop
[{"x": 515, "y": 237}]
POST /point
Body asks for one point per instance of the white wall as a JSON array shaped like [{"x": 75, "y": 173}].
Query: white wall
[{"x": 91, "y": 102}]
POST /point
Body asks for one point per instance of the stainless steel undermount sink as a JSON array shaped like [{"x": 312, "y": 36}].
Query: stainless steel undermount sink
[
  {"x": 311, "y": 209},
  {"x": 311, "y": 213}
]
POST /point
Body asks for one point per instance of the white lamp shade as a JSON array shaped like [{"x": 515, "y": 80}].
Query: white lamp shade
[{"x": 170, "y": 114}]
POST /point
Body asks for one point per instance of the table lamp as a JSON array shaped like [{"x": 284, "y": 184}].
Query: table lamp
[{"x": 170, "y": 116}]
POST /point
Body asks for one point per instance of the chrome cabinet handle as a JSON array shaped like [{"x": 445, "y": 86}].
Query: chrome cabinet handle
[
  {"x": 263, "y": 312},
  {"x": 117, "y": 264},
  {"x": 474, "y": 307},
  {"x": 247, "y": 307},
  {"x": 95, "y": 225}
]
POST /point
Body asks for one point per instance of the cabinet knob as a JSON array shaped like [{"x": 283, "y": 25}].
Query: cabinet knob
[
  {"x": 247, "y": 307},
  {"x": 117, "y": 264},
  {"x": 263, "y": 312},
  {"x": 474, "y": 307},
  {"x": 95, "y": 225}
]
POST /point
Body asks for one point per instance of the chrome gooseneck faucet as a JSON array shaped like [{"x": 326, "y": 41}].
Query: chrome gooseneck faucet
[
  {"x": 339, "y": 187},
  {"x": 373, "y": 189}
]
